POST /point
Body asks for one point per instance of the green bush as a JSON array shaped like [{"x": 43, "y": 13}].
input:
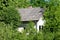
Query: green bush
[
  {"x": 10, "y": 15},
  {"x": 40, "y": 35},
  {"x": 30, "y": 27},
  {"x": 52, "y": 18},
  {"x": 14, "y": 3},
  {"x": 48, "y": 36},
  {"x": 33, "y": 34},
  {"x": 8, "y": 33}
]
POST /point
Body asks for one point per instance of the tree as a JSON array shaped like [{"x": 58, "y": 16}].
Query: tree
[
  {"x": 14, "y": 3},
  {"x": 10, "y": 18},
  {"x": 52, "y": 17},
  {"x": 38, "y": 3},
  {"x": 10, "y": 15},
  {"x": 8, "y": 33}
]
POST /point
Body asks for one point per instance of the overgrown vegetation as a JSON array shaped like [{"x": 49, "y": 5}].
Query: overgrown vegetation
[
  {"x": 10, "y": 15},
  {"x": 10, "y": 20},
  {"x": 51, "y": 15}
]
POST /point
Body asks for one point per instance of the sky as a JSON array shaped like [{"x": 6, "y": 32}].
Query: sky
[{"x": 46, "y": 0}]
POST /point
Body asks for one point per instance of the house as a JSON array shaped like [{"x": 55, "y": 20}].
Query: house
[{"x": 31, "y": 14}]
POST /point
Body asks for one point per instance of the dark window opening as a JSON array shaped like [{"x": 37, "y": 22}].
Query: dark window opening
[
  {"x": 24, "y": 27},
  {"x": 39, "y": 27}
]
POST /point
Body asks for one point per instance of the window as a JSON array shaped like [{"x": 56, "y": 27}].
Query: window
[{"x": 40, "y": 27}]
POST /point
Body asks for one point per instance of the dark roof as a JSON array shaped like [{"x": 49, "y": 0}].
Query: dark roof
[{"x": 28, "y": 14}]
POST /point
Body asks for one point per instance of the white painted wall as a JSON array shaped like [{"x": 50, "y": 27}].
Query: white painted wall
[
  {"x": 20, "y": 29},
  {"x": 40, "y": 23}
]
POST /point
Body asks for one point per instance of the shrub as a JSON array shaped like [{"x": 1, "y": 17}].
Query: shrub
[
  {"x": 8, "y": 33},
  {"x": 10, "y": 15}
]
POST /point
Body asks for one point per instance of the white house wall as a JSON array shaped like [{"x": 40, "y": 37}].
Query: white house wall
[
  {"x": 40, "y": 23},
  {"x": 20, "y": 29}
]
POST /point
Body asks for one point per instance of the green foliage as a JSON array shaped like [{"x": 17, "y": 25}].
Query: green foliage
[
  {"x": 30, "y": 27},
  {"x": 48, "y": 36},
  {"x": 38, "y": 3},
  {"x": 51, "y": 15},
  {"x": 10, "y": 18},
  {"x": 22, "y": 3},
  {"x": 10, "y": 15},
  {"x": 8, "y": 33},
  {"x": 33, "y": 34},
  {"x": 14, "y": 3},
  {"x": 40, "y": 35}
]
